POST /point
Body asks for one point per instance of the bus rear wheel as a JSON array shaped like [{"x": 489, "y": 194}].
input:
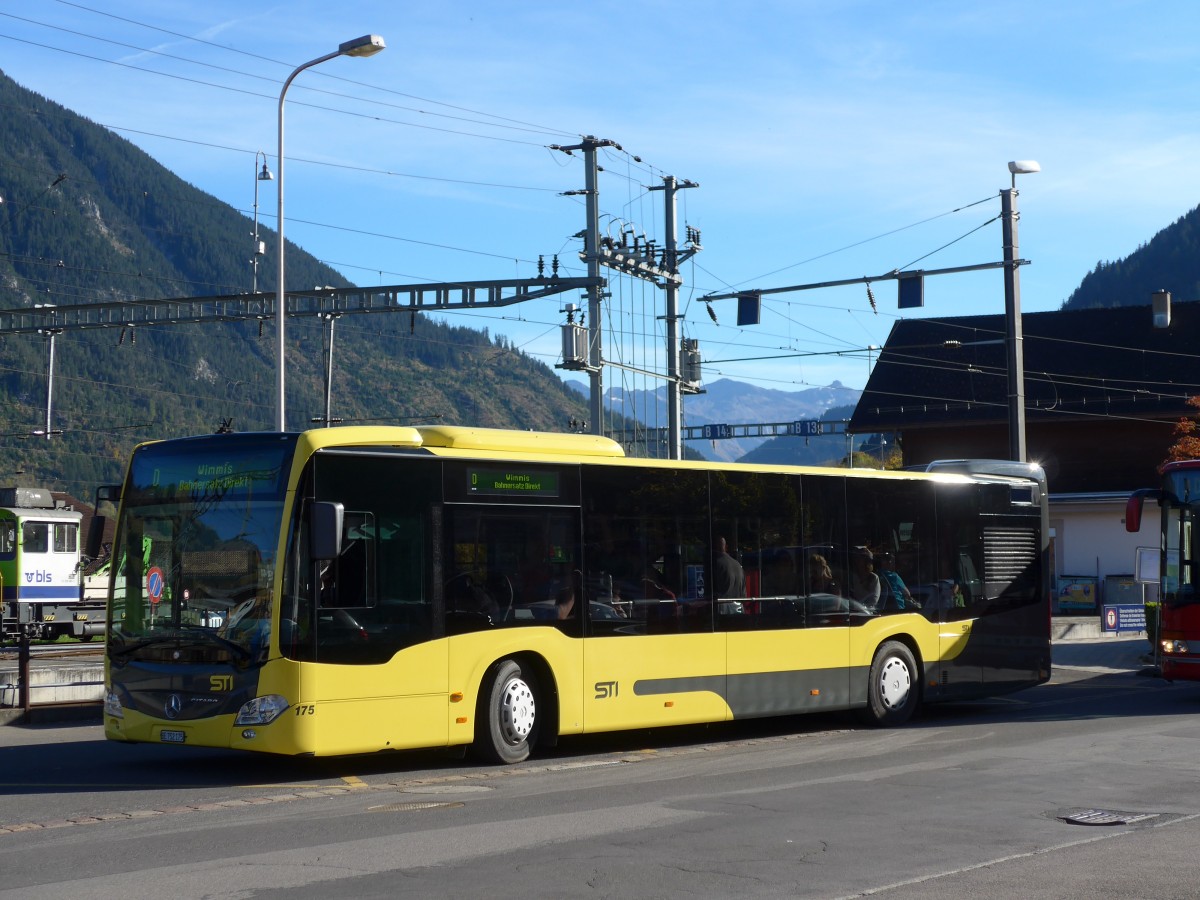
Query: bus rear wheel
[
  {"x": 508, "y": 719},
  {"x": 893, "y": 689}
]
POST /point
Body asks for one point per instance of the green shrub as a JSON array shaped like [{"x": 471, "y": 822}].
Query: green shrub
[{"x": 1152, "y": 624}]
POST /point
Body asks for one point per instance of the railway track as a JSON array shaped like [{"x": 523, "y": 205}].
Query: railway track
[{"x": 79, "y": 652}]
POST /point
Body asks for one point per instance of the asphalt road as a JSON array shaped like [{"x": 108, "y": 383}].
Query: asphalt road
[{"x": 971, "y": 800}]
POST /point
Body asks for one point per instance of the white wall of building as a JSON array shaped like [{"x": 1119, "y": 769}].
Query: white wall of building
[{"x": 1090, "y": 540}]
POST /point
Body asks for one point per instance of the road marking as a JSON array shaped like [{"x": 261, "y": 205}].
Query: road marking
[{"x": 1040, "y": 851}]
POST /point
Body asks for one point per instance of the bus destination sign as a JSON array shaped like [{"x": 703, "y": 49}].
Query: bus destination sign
[{"x": 512, "y": 483}]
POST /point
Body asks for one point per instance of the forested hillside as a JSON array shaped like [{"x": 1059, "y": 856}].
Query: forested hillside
[
  {"x": 1170, "y": 261},
  {"x": 88, "y": 217}
]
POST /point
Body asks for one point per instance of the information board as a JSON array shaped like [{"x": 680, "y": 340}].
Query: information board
[{"x": 1120, "y": 617}]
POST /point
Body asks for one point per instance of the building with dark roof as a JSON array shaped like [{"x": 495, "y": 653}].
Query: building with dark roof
[{"x": 1103, "y": 391}]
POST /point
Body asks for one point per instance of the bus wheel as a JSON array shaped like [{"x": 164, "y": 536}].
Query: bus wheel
[
  {"x": 894, "y": 686},
  {"x": 506, "y": 722}
]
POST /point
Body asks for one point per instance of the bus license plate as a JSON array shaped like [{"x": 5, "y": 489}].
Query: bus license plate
[{"x": 172, "y": 737}]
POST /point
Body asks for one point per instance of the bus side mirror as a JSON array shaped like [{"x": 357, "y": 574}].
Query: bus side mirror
[
  {"x": 95, "y": 536},
  {"x": 325, "y": 530},
  {"x": 108, "y": 496},
  {"x": 1133, "y": 508}
]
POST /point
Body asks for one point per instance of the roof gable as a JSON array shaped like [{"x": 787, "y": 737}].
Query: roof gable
[{"x": 1108, "y": 362}]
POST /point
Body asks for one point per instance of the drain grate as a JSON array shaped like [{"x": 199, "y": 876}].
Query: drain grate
[
  {"x": 1106, "y": 817},
  {"x": 408, "y": 807}
]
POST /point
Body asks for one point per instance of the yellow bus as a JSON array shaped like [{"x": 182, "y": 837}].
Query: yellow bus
[{"x": 351, "y": 590}]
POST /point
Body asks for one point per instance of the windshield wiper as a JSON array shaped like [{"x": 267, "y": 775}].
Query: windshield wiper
[
  {"x": 195, "y": 634},
  {"x": 159, "y": 639},
  {"x": 208, "y": 634}
]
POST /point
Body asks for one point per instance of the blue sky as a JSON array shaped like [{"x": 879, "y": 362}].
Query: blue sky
[{"x": 830, "y": 141}]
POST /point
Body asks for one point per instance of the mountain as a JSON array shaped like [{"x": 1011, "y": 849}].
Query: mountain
[
  {"x": 725, "y": 401},
  {"x": 1169, "y": 261},
  {"x": 89, "y": 217},
  {"x": 825, "y": 449}
]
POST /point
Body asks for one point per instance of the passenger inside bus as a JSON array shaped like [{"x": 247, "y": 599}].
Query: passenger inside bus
[
  {"x": 864, "y": 583},
  {"x": 820, "y": 575},
  {"x": 564, "y": 603},
  {"x": 895, "y": 593},
  {"x": 729, "y": 580},
  {"x": 655, "y": 586}
]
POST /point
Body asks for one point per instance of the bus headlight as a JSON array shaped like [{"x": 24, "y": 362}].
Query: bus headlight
[
  {"x": 1173, "y": 647},
  {"x": 112, "y": 705},
  {"x": 262, "y": 710}
]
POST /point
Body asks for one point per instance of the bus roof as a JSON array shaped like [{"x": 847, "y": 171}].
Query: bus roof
[
  {"x": 454, "y": 440},
  {"x": 1178, "y": 464},
  {"x": 463, "y": 441},
  {"x": 462, "y": 438}
]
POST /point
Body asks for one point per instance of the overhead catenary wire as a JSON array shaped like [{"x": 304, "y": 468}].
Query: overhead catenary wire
[
  {"x": 287, "y": 65},
  {"x": 504, "y": 256},
  {"x": 232, "y": 49},
  {"x": 250, "y": 93},
  {"x": 291, "y": 159}
]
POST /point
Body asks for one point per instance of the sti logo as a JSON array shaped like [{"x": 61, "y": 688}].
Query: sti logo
[{"x": 606, "y": 690}]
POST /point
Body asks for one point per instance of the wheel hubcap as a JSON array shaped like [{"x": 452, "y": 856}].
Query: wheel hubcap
[
  {"x": 895, "y": 683},
  {"x": 517, "y": 711}
]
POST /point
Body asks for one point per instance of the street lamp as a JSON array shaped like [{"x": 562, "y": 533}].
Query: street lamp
[
  {"x": 1012, "y": 311},
  {"x": 367, "y": 45},
  {"x": 259, "y": 247}
]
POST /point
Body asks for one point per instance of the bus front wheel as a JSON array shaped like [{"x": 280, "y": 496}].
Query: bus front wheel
[
  {"x": 894, "y": 686},
  {"x": 507, "y": 720}
]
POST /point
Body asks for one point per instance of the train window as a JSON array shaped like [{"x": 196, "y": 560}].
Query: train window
[
  {"x": 35, "y": 537},
  {"x": 66, "y": 538}
]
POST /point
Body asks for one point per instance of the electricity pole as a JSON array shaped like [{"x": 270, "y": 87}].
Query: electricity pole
[
  {"x": 595, "y": 293},
  {"x": 671, "y": 263}
]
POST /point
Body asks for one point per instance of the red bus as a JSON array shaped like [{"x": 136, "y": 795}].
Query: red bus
[{"x": 1178, "y": 495}]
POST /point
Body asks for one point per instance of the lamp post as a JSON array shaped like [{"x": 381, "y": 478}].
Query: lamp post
[
  {"x": 1012, "y": 311},
  {"x": 367, "y": 45},
  {"x": 259, "y": 247}
]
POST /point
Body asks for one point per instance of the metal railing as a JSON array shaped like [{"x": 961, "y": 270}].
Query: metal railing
[{"x": 24, "y": 688}]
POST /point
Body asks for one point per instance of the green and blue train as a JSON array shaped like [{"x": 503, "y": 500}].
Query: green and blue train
[{"x": 40, "y": 567}]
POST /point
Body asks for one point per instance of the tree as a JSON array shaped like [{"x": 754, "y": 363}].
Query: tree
[
  {"x": 878, "y": 451},
  {"x": 1187, "y": 442}
]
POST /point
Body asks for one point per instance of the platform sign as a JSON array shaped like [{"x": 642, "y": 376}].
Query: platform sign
[
  {"x": 717, "y": 432},
  {"x": 1118, "y": 617},
  {"x": 806, "y": 428}
]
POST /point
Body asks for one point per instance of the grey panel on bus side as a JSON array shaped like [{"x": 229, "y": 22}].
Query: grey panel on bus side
[{"x": 771, "y": 693}]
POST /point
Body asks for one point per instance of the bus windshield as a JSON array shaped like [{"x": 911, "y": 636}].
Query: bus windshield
[
  {"x": 195, "y": 549},
  {"x": 1182, "y": 503}
]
